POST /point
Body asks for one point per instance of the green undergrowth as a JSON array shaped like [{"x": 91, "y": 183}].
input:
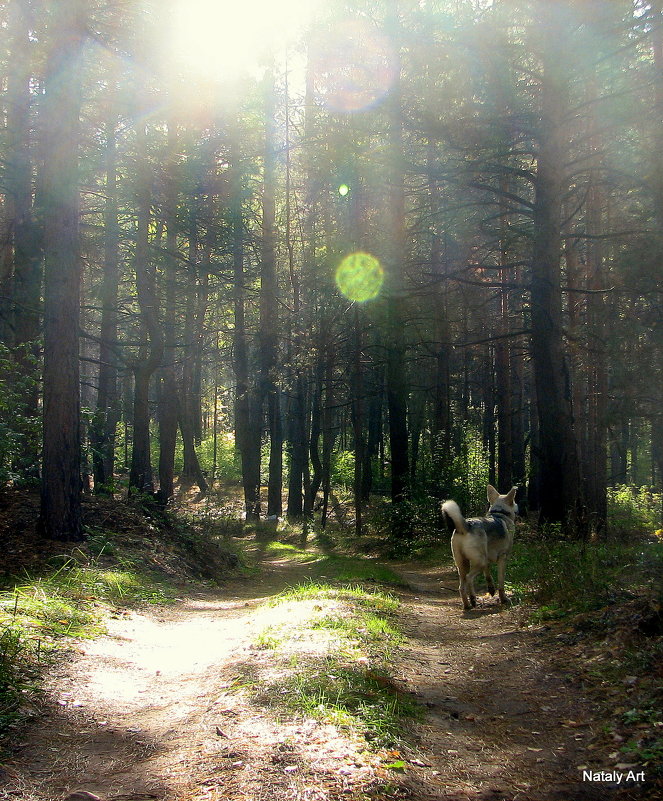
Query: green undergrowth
[
  {"x": 327, "y": 655},
  {"x": 569, "y": 578}
]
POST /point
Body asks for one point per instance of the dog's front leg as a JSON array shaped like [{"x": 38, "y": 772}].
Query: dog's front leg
[{"x": 501, "y": 569}]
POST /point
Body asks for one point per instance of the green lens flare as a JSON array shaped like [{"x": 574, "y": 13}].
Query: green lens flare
[
  {"x": 360, "y": 276},
  {"x": 343, "y": 190}
]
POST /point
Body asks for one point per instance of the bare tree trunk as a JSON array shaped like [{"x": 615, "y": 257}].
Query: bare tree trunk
[
  {"x": 397, "y": 386},
  {"x": 269, "y": 317},
  {"x": 441, "y": 396},
  {"x": 248, "y": 425},
  {"x": 140, "y": 475},
  {"x": 657, "y": 47},
  {"x": 560, "y": 472},
  {"x": 357, "y": 384},
  {"x": 503, "y": 388},
  {"x": 60, "y": 514},
  {"x": 298, "y": 416},
  {"x": 328, "y": 434},
  {"x": 168, "y": 393},
  {"x": 107, "y": 412}
]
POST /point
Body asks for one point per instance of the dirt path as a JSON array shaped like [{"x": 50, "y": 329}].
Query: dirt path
[{"x": 145, "y": 713}]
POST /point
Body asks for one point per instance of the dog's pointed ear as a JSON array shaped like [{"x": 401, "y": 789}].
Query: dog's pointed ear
[
  {"x": 493, "y": 494},
  {"x": 511, "y": 497}
]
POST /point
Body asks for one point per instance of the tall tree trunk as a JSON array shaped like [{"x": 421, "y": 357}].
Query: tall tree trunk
[
  {"x": 657, "y": 171},
  {"x": 107, "y": 413},
  {"x": 168, "y": 392},
  {"x": 328, "y": 432},
  {"x": 560, "y": 471},
  {"x": 248, "y": 424},
  {"x": 269, "y": 317},
  {"x": 357, "y": 412},
  {"x": 397, "y": 386},
  {"x": 298, "y": 413},
  {"x": 503, "y": 389},
  {"x": 597, "y": 428},
  {"x": 60, "y": 514},
  {"x": 488, "y": 394},
  {"x": 375, "y": 396},
  {"x": 140, "y": 475},
  {"x": 441, "y": 396}
]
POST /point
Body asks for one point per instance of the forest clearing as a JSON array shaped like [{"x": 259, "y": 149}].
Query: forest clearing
[{"x": 285, "y": 288}]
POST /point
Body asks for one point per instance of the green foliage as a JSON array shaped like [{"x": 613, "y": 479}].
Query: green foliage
[
  {"x": 567, "y": 578},
  {"x": 343, "y": 469},
  {"x": 19, "y": 432},
  {"x": 407, "y": 527},
  {"x": 467, "y": 472},
  {"x": 228, "y": 465},
  {"x": 633, "y": 510}
]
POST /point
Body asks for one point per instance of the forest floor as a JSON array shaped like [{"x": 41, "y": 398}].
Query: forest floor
[{"x": 151, "y": 710}]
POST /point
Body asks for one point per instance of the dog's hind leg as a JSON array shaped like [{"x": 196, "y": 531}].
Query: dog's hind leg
[
  {"x": 462, "y": 565},
  {"x": 474, "y": 571},
  {"x": 490, "y": 584},
  {"x": 501, "y": 569}
]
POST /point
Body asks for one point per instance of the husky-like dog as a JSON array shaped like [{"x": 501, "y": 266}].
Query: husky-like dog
[{"x": 480, "y": 541}]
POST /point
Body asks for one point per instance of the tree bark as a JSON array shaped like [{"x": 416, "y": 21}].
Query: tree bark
[
  {"x": 269, "y": 317},
  {"x": 397, "y": 385},
  {"x": 560, "y": 472},
  {"x": 168, "y": 391},
  {"x": 248, "y": 418},
  {"x": 140, "y": 475},
  {"x": 107, "y": 413},
  {"x": 60, "y": 513}
]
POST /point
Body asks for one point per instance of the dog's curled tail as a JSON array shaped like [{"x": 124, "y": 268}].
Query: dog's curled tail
[{"x": 454, "y": 517}]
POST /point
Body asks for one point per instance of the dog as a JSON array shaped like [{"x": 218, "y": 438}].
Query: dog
[{"x": 480, "y": 541}]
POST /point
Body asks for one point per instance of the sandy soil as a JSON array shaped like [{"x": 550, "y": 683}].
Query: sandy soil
[{"x": 147, "y": 712}]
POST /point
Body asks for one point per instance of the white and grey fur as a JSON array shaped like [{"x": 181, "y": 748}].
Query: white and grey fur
[{"x": 478, "y": 542}]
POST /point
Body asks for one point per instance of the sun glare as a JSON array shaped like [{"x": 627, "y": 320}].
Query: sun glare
[{"x": 223, "y": 39}]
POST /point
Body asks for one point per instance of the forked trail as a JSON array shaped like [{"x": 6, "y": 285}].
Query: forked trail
[{"x": 146, "y": 713}]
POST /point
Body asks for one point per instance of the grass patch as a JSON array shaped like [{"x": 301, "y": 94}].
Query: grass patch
[
  {"x": 331, "y": 649},
  {"x": 290, "y": 552},
  {"x": 380, "y": 602},
  {"x": 346, "y": 569},
  {"x": 365, "y": 701}
]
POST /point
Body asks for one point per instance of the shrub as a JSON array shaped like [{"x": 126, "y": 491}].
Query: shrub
[{"x": 633, "y": 510}]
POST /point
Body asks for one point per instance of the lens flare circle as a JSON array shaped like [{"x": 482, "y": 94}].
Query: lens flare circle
[{"x": 360, "y": 277}]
